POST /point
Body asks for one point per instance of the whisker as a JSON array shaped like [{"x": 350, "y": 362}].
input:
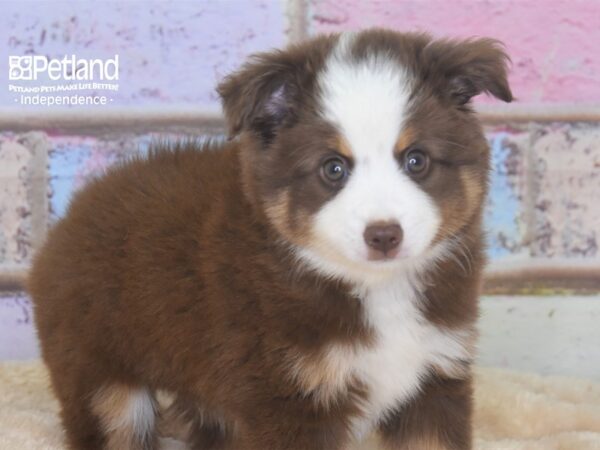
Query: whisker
[
  {"x": 465, "y": 254},
  {"x": 457, "y": 144}
]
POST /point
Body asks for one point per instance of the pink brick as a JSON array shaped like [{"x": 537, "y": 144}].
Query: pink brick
[{"x": 553, "y": 44}]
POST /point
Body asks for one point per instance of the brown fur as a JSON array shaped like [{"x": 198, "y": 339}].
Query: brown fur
[
  {"x": 175, "y": 272},
  {"x": 185, "y": 420},
  {"x": 441, "y": 416}
]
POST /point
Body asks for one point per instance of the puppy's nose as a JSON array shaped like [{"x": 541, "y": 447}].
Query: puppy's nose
[{"x": 383, "y": 237}]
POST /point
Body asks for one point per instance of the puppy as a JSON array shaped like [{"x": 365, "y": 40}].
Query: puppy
[{"x": 310, "y": 281}]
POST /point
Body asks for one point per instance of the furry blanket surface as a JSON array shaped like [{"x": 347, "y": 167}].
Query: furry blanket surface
[{"x": 514, "y": 411}]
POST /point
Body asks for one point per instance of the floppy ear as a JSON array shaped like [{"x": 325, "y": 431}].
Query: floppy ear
[
  {"x": 260, "y": 96},
  {"x": 469, "y": 67}
]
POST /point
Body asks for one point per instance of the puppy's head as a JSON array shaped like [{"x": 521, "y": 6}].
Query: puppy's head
[{"x": 362, "y": 149}]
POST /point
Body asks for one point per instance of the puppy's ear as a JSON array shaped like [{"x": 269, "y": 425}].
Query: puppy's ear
[
  {"x": 260, "y": 96},
  {"x": 468, "y": 68}
]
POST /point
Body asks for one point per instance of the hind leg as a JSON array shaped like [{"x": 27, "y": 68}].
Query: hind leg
[
  {"x": 186, "y": 420},
  {"x": 266, "y": 429},
  {"x": 81, "y": 427},
  {"x": 114, "y": 416},
  {"x": 74, "y": 390}
]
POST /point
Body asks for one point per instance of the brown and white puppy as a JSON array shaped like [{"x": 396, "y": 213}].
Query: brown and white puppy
[{"x": 311, "y": 281}]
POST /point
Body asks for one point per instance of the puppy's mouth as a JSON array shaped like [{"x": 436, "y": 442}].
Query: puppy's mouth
[{"x": 383, "y": 255}]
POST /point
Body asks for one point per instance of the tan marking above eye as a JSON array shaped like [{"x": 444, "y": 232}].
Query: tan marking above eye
[
  {"x": 341, "y": 145},
  {"x": 406, "y": 138}
]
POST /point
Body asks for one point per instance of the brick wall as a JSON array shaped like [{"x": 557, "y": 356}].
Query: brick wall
[{"x": 543, "y": 213}]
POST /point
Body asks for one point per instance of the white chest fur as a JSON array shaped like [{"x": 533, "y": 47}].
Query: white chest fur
[{"x": 406, "y": 347}]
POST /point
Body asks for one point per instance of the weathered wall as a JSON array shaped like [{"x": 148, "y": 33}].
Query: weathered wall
[
  {"x": 173, "y": 54},
  {"x": 169, "y": 52},
  {"x": 546, "y": 177},
  {"x": 552, "y": 43}
]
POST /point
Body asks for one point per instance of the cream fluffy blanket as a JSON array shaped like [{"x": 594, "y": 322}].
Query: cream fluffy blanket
[{"x": 513, "y": 411}]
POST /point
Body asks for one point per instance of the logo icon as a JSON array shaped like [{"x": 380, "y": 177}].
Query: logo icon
[{"x": 20, "y": 67}]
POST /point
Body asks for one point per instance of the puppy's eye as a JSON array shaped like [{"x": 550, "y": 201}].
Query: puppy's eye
[
  {"x": 416, "y": 162},
  {"x": 334, "y": 170}
]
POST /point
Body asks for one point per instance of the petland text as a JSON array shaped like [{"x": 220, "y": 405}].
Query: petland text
[{"x": 69, "y": 68}]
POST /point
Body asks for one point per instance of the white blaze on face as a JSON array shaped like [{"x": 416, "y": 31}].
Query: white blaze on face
[{"x": 367, "y": 101}]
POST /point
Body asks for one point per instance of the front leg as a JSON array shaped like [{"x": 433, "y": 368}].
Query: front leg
[
  {"x": 294, "y": 425},
  {"x": 439, "y": 418}
]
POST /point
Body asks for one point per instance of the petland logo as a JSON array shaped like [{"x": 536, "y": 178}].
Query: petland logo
[
  {"x": 29, "y": 68},
  {"x": 42, "y": 81}
]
